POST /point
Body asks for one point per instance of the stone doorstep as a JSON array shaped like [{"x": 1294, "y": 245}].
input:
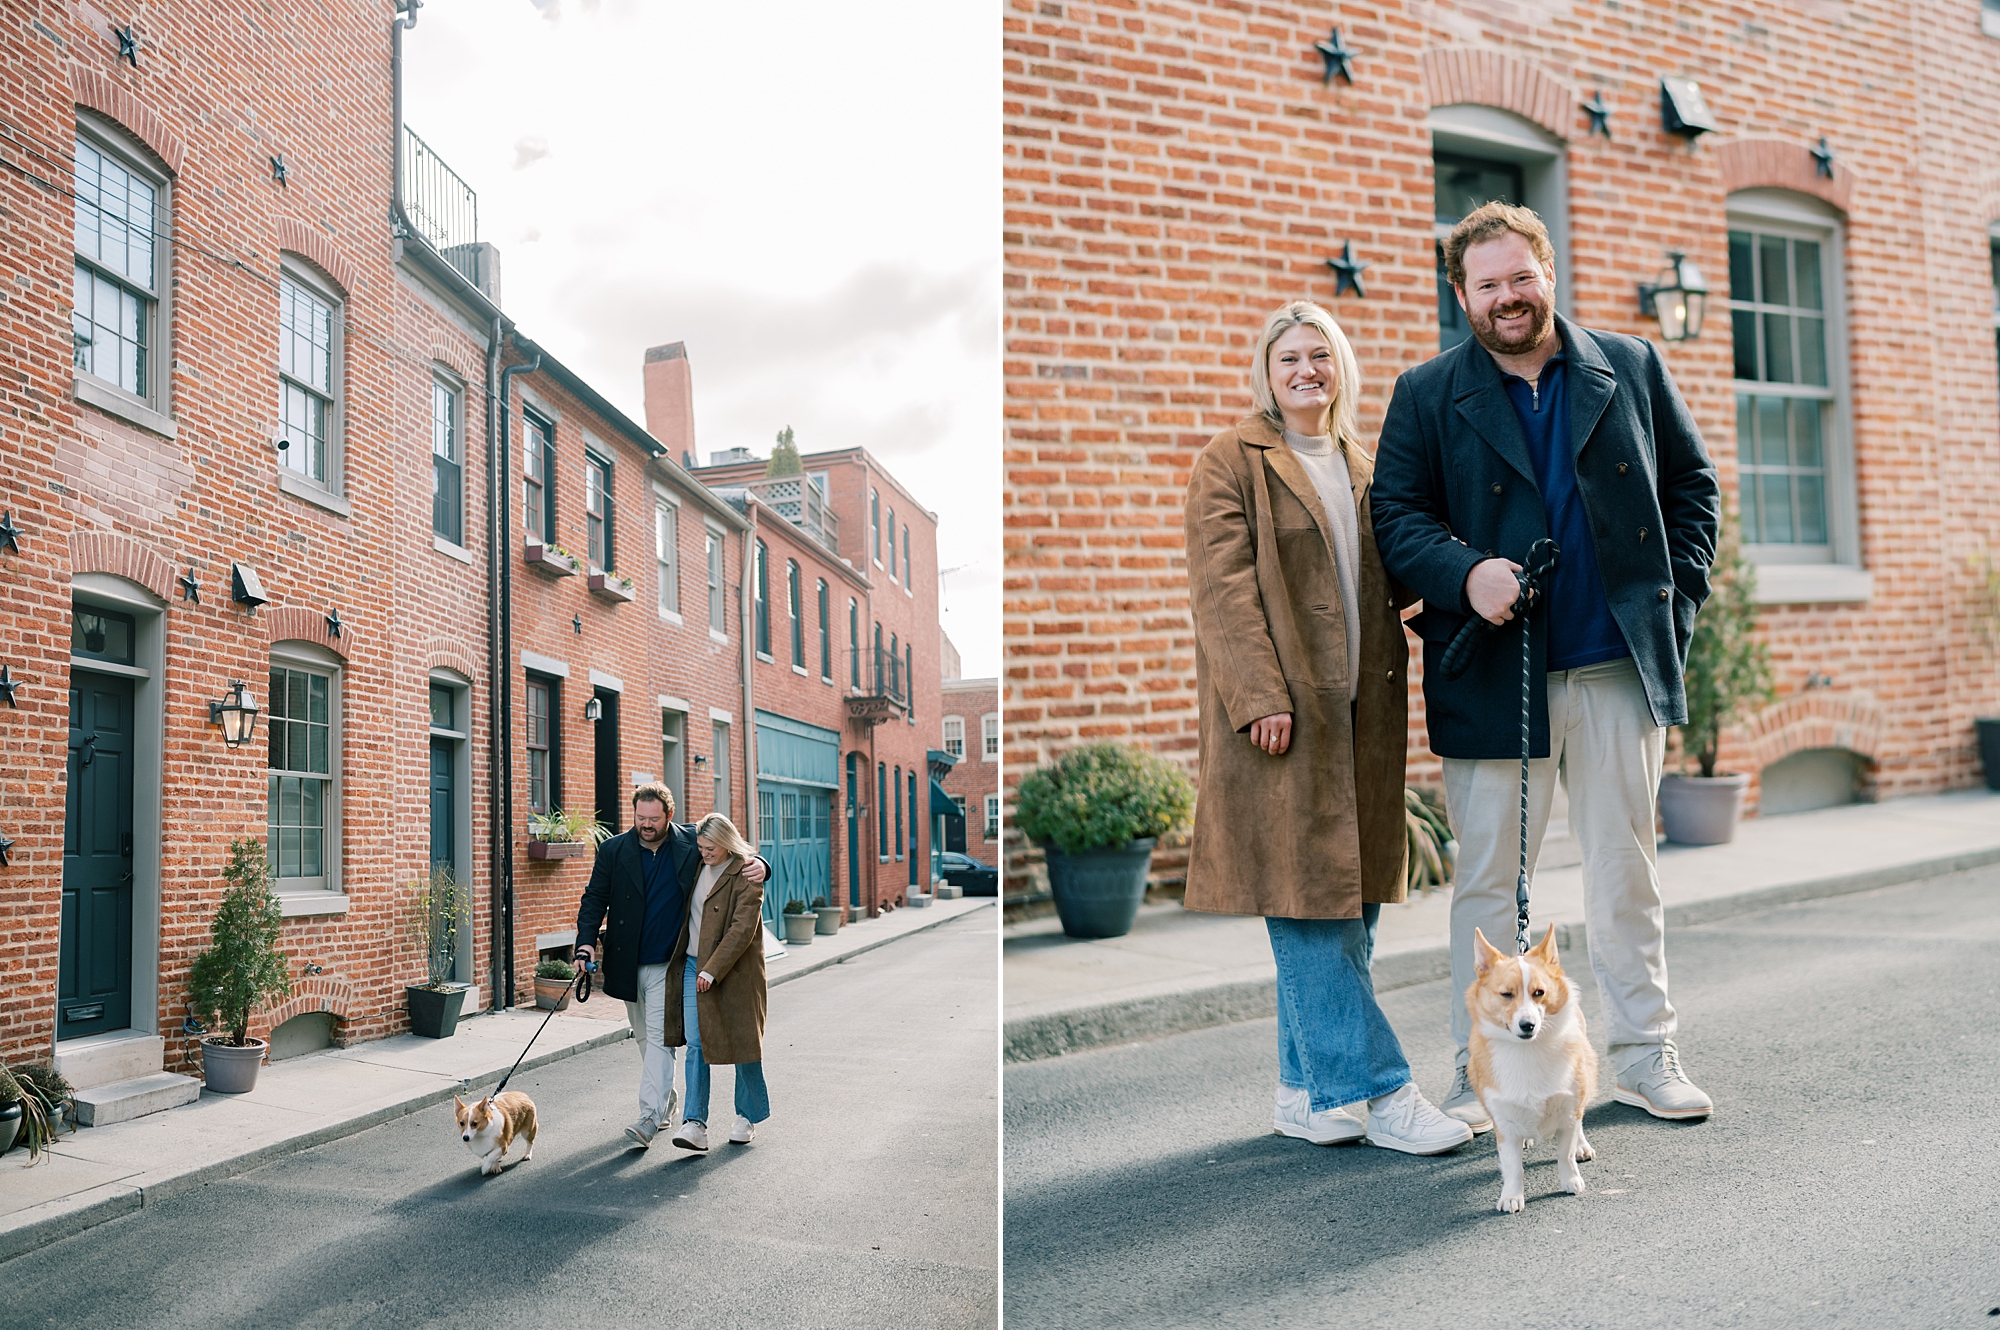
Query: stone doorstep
[
  {"x": 106, "y": 1059},
  {"x": 121, "y": 1101}
]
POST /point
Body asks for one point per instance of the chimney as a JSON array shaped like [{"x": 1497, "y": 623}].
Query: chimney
[{"x": 670, "y": 397}]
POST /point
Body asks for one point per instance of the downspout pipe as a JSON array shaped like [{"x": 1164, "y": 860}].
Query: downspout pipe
[
  {"x": 503, "y": 679},
  {"x": 496, "y": 668},
  {"x": 748, "y": 661},
  {"x": 406, "y": 17}
]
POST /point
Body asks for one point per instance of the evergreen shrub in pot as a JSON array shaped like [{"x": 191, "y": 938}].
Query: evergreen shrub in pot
[
  {"x": 828, "y": 917},
  {"x": 1097, "y": 811},
  {"x": 552, "y": 983},
  {"x": 437, "y": 913},
  {"x": 241, "y": 971},
  {"x": 1728, "y": 671},
  {"x": 800, "y": 923}
]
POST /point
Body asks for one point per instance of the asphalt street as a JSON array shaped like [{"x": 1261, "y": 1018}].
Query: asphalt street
[
  {"x": 870, "y": 1198},
  {"x": 1850, "y": 1174}
]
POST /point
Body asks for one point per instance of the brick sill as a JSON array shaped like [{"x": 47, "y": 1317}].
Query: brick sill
[{"x": 306, "y": 904}]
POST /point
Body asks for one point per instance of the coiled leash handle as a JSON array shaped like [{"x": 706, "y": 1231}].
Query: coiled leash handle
[
  {"x": 1474, "y": 632},
  {"x": 583, "y": 981}
]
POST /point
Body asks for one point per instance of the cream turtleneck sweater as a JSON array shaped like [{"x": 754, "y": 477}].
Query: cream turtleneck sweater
[{"x": 1326, "y": 467}]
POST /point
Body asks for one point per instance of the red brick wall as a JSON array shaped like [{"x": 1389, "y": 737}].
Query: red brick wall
[
  {"x": 976, "y": 775},
  {"x": 1175, "y": 170}
]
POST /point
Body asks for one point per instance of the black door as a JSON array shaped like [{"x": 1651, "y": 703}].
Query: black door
[
  {"x": 610, "y": 793},
  {"x": 954, "y": 833},
  {"x": 444, "y": 806},
  {"x": 94, "y": 969}
]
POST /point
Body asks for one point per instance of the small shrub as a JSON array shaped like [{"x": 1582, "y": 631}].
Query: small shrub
[
  {"x": 1728, "y": 669},
  {"x": 819, "y": 902},
  {"x": 1101, "y": 796},
  {"x": 242, "y": 968},
  {"x": 555, "y": 968},
  {"x": 795, "y": 906}
]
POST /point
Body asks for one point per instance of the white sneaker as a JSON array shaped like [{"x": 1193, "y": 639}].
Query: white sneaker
[
  {"x": 642, "y": 1132},
  {"x": 1409, "y": 1122},
  {"x": 1652, "y": 1079},
  {"x": 1293, "y": 1115},
  {"x": 1463, "y": 1103},
  {"x": 692, "y": 1136},
  {"x": 743, "y": 1131}
]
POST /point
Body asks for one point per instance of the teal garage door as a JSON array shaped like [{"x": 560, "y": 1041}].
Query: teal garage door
[{"x": 798, "y": 767}]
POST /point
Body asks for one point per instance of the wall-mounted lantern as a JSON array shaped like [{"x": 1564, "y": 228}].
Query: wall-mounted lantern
[
  {"x": 1678, "y": 300},
  {"x": 236, "y": 713},
  {"x": 244, "y": 588},
  {"x": 593, "y": 710},
  {"x": 1683, "y": 110}
]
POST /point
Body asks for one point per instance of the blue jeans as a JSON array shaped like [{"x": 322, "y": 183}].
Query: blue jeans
[
  {"x": 1333, "y": 1040},
  {"x": 753, "y": 1100}
]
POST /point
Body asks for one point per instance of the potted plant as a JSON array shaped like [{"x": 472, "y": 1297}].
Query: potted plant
[
  {"x": 1728, "y": 669},
  {"x": 799, "y": 923},
  {"x": 1432, "y": 852},
  {"x": 1986, "y": 619},
  {"x": 558, "y": 834},
  {"x": 1097, "y": 812},
  {"x": 551, "y": 559},
  {"x": 35, "y": 1103},
  {"x": 241, "y": 971},
  {"x": 437, "y": 910},
  {"x": 829, "y": 917},
  {"x": 612, "y": 586},
  {"x": 552, "y": 980},
  {"x": 11, "y": 1111}
]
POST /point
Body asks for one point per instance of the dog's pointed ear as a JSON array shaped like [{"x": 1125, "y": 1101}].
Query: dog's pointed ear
[
  {"x": 1484, "y": 953},
  {"x": 1545, "y": 951},
  {"x": 462, "y": 1105}
]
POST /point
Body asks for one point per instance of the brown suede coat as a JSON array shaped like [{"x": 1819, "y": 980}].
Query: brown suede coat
[
  {"x": 1317, "y": 831},
  {"x": 731, "y": 1012}
]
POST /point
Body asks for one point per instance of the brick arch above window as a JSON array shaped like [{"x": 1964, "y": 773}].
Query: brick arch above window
[
  {"x": 313, "y": 245},
  {"x": 122, "y": 556},
  {"x": 296, "y": 623},
  {"x": 102, "y": 94},
  {"x": 1767, "y": 163},
  {"x": 315, "y": 993},
  {"x": 1455, "y": 75},
  {"x": 1814, "y": 720},
  {"x": 445, "y": 653}
]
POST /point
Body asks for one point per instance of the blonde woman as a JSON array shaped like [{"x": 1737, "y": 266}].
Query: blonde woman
[
  {"x": 1300, "y": 674},
  {"x": 721, "y": 958}
]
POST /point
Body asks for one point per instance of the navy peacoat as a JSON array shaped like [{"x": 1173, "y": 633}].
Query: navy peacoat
[
  {"x": 616, "y": 898},
  {"x": 1454, "y": 485}
]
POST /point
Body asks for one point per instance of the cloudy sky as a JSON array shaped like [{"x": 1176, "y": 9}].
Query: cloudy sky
[{"x": 805, "y": 193}]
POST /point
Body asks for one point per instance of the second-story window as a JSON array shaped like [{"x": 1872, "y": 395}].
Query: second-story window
[
  {"x": 878, "y": 656},
  {"x": 910, "y": 677},
  {"x": 875, "y": 525},
  {"x": 892, "y": 544},
  {"x": 306, "y": 380},
  {"x": 761, "y": 590},
  {"x": 716, "y": 623},
  {"x": 666, "y": 546},
  {"x": 447, "y": 478},
  {"x": 853, "y": 643},
  {"x": 907, "y": 584},
  {"x": 989, "y": 735},
  {"x": 538, "y": 464},
  {"x": 120, "y": 258},
  {"x": 599, "y": 512},
  {"x": 954, "y": 735},
  {"x": 798, "y": 607},
  {"x": 825, "y": 637}
]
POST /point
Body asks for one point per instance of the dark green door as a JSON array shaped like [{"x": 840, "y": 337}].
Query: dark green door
[
  {"x": 443, "y": 805},
  {"x": 853, "y": 837},
  {"x": 94, "y": 968}
]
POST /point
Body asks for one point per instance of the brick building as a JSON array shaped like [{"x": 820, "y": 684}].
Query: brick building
[
  {"x": 971, "y": 733},
  {"x": 1175, "y": 171},
  {"x": 848, "y": 522}
]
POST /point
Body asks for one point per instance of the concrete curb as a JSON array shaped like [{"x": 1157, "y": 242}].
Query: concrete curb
[
  {"x": 847, "y": 956},
  {"x": 1057, "y": 1033}
]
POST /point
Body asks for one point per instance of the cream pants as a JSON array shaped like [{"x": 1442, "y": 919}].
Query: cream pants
[{"x": 656, "y": 1060}]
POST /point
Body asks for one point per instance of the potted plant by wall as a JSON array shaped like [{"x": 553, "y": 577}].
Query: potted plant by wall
[
  {"x": 552, "y": 980},
  {"x": 1432, "y": 850},
  {"x": 437, "y": 910},
  {"x": 560, "y": 834},
  {"x": 829, "y": 917},
  {"x": 799, "y": 923},
  {"x": 11, "y": 1111},
  {"x": 35, "y": 1103},
  {"x": 1986, "y": 622},
  {"x": 1097, "y": 812},
  {"x": 1728, "y": 670},
  {"x": 241, "y": 970}
]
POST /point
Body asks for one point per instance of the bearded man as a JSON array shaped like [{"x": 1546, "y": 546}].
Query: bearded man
[{"x": 1535, "y": 428}]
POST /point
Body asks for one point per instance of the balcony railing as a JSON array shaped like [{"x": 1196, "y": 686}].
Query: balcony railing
[
  {"x": 440, "y": 205},
  {"x": 885, "y": 685},
  {"x": 799, "y": 502}
]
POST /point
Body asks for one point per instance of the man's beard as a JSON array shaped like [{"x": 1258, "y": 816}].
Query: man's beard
[{"x": 1543, "y": 322}]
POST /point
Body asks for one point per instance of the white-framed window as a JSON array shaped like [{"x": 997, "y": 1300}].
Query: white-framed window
[
  {"x": 907, "y": 583},
  {"x": 954, "y": 735},
  {"x": 1480, "y": 154},
  {"x": 718, "y": 765},
  {"x": 1989, "y": 17},
  {"x": 717, "y": 623},
  {"x": 544, "y": 743},
  {"x": 796, "y": 597},
  {"x": 853, "y": 644},
  {"x": 123, "y": 213},
  {"x": 447, "y": 462},
  {"x": 303, "y": 741},
  {"x": 875, "y": 526},
  {"x": 599, "y": 511},
  {"x": 892, "y": 544},
  {"x": 673, "y": 758},
  {"x": 825, "y": 635},
  {"x": 309, "y": 378},
  {"x": 1795, "y": 486},
  {"x": 666, "y": 555},
  {"x": 538, "y": 464},
  {"x": 992, "y": 817},
  {"x": 989, "y": 736},
  {"x": 760, "y": 594}
]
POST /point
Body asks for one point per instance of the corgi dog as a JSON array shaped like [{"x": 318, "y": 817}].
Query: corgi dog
[
  {"x": 488, "y": 1126},
  {"x": 1532, "y": 1064}
]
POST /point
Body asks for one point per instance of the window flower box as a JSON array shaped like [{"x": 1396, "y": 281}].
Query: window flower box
[
  {"x": 612, "y": 587},
  {"x": 555, "y": 849},
  {"x": 551, "y": 559}
]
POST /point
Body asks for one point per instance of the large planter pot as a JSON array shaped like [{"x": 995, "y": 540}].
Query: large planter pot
[
  {"x": 434, "y": 1012},
  {"x": 1702, "y": 810},
  {"x": 1098, "y": 892},
  {"x": 829, "y": 920},
  {"x": 10, "y": 1125},
  {"x": 799, "y": 929},
  {"x": 1989, "y": 748},
  {"x": 552, "y": 994},
  {"x": 227, "y": 1069},
  {"x": 555, "y": 849}
]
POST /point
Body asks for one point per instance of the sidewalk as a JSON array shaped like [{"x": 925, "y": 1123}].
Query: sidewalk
[
  {"x": 99, "y": 1173},
  {"x": 1178, "y": 970}
]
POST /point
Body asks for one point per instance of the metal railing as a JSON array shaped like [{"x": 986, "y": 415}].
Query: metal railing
[
  {"x": 883, "y": 675},
  {"x": 440, "y": 205},
  {"x": 799, "y": 502}
]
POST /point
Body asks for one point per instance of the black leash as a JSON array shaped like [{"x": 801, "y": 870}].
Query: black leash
[
  {"x": 1533, "y": 579},
  {"x": 580, "y": 981}
]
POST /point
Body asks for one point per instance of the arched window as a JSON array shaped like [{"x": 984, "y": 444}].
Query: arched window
[{"x": 117, "y": 325}]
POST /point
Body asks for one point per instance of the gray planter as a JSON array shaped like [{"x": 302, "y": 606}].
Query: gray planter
[
  {"x": 227, "y": 1069},
  {"x": 1097, "y": 892},
  {"x": 829, "y": 920},
  {"x": 434, "y": 1012},
  {"x": 799, "y": 929},
  {"x": 1988, "y": 729},
  {"x": 1702, "y": 810},
  {"x": 10, "y": 1125}
]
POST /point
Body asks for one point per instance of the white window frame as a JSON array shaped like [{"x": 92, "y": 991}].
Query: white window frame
[
  {"x": 667, "y": 555},
  {"x": 600, "y": 479},
  {"x": 989, "y": 736},
  {"x": 875, "y": 524},
  {"x": 992, "y": 827},
  {"x": 953, "y": 736},
  {"x": 152, "y": 409},
  {"x": 295, "y": 655},
  {"x": 892, "y": 544},
  {"x": 292, "y": 479},
  {"x": 718, "y": 616},
  {"x": 538, "y": 436},
  {"x": 1471, "y": 130},
  {"x": 1790, "y": 574},
  {"x": 718, "y": 761},
  {"x": 795, "y": 595},
  {"x": 908, "y": 585},
  {"x": 441, "y": 381},
  {"x": 674, "y": 757}
]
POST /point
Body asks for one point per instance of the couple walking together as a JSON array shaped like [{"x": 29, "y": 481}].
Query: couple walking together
[
  {"x": 682, "y": 910},
  {"x": 1302, "y": 550}
]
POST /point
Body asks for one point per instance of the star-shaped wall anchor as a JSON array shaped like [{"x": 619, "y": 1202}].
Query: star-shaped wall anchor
[
  {"x": 1599, "y": 113},
  {"x": 6, "y": 847},
  {"x": 1347, "y": 272},
  {"x": 10, "y": 535},
  {"x": 278, "y": 168},
  {"x": 190, "y": 588},
  {"x": 1823, "y": 158},
  {"x": 8, "y": 683},
  {"x": 333, "y": 623},
  {"x": 576, "y": 622},
  {"x": 128, "y": 45},
  {"x": 1338, "y": 56}
]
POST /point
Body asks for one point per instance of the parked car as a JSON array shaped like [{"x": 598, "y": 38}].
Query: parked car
[{"x": 968, "y": 874}]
